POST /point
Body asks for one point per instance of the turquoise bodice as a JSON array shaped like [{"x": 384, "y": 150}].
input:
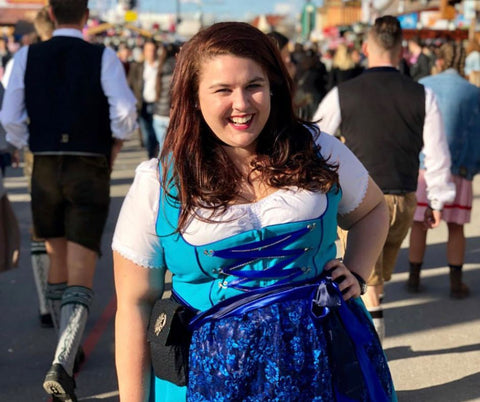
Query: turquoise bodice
[{"x": 207, "y": 274}]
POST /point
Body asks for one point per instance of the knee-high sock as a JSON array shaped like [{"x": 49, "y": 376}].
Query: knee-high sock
[
  {"x": 54, "y": 296},
  {"x": 40, "y": 267},
  {"x": 76, "y": 302}
]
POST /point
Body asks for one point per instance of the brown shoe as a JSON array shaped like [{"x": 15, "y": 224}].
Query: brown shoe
[
  {"x": 458, "y": 290},
  {"x": 413, "y": 282}
]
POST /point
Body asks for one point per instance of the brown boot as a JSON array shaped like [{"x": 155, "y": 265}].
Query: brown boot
[
  {"x": 458, "y": 290},
  {"x": 413, "y": 283}
]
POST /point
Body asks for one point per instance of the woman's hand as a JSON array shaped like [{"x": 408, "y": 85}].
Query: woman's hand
[{"x": 346, "y": 281}]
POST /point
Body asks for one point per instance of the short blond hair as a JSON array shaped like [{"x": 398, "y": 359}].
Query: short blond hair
[
  {"x": 43, "y": 24},
  {"x": 342, "y": 58}
]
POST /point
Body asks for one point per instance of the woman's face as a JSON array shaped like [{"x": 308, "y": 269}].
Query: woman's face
[{"x": 234, "y": 98}]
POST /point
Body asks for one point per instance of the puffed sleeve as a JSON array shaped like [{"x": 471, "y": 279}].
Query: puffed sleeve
[
  {"x": 135, "y": 237},
  {"x": 352, "y": 174}
]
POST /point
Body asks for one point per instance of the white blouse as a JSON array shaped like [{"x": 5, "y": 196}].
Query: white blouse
[{"x": 135, "y": 236}]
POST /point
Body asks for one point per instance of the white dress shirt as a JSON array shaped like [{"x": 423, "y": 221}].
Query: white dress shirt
[
  {"x": 122, "y": 110},
  {"x": 440, "y": 188}
]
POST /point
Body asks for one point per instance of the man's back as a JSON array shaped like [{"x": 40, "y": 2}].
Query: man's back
[
  {"x": 383, "y": 115},
  {"x": 68, "y": 69}
]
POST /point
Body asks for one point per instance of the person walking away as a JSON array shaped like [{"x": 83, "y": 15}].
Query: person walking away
[
  {"x": 383, "y": 109},
  {"x": 142, "y": 78},
  {"x": 343, "y": 67},
  {"x": 420, "y": 63},
  {"x": 459, "y": 104},
  {"x": 161, "y": 116},
  {"x": 310, "y": 86},
  {"x": 84, "y": 87}
]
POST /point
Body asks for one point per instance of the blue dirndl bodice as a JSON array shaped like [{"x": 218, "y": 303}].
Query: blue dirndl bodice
[{"x": 277, "y": 350}]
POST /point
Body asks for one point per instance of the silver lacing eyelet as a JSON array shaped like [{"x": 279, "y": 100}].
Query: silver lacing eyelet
[{"x": 311, "y": 226}]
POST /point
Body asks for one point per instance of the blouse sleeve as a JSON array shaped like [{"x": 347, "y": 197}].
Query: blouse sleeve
[
  {"x": 353, "y": 176},
  {"x": 135, "y": 236}
]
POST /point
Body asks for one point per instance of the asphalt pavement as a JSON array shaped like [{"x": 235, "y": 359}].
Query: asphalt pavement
[{"x": 432, "y": 342}]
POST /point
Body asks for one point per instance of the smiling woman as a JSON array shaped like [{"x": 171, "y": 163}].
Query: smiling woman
[{"x": 242, "y": 208}]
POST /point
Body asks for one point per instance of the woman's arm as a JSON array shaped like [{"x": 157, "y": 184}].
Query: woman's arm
[
  {"x": 137, "y": 288},
  {"x": 367, "y": 227}
]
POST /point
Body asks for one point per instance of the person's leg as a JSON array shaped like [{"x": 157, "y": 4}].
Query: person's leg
[
  {"x": 85, "y": 216},
  {"x": 456, "y": 244},
  {"x": 143, "y": 131},
  {"x": 418, "y": 236},
  {"x": 57, "y": 276},
  {"x": 38, "y": 255},
  {"x": 75, "y": 304},
  {"x": 148, "y": 132},
  {"x": 40, "y": 268},
  {"x": 402, "y": 213},
  {"x": 74, "y": 310},
  {"x": 401, "y": 210},
  {"x": 455, "y": 256},
  {"x": 152, "y": 146},
  {"x": 416, "y": 252},
  {"x": 373, "y": 298}
]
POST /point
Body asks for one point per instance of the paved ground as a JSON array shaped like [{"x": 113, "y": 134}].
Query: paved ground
[{"x": 433, "y": 343}]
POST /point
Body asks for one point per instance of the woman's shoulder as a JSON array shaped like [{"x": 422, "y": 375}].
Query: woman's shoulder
[
  {"x": 147, "y": 167},
  {"x": 146, "y": 179},
  {"x": 329, "y": 145}
]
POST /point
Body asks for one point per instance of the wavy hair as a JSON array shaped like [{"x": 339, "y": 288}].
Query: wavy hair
[
  {"x": 198, "y": 167},
  {"x": 453, "y": 56}
]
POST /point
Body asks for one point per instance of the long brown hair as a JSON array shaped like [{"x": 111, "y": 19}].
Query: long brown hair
[
  {"x": 198, "y": 166},
  {"x": 453, "y": 56}
]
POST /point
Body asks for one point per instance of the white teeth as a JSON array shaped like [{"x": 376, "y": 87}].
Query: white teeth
[{"x": 241, "y": 120}]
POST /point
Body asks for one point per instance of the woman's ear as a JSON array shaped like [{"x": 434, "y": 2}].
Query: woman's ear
[{"x": 365, "y": 48}]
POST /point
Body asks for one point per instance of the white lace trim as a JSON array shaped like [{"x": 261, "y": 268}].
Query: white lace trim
[
  {"x": 353, "y": 206},
  {"x": 133, "y": 257}
]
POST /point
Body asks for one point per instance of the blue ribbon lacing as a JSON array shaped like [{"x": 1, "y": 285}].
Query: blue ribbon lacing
[{"x": 272, "y": 248}]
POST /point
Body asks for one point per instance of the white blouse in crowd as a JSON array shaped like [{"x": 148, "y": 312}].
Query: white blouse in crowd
[{"x": 136, "y": 240}]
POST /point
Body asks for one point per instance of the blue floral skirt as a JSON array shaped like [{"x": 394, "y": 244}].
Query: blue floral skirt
[{"x": 283, "y": 352}]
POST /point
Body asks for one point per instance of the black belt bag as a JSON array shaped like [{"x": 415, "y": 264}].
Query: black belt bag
[{"x": 169, "y": 339}]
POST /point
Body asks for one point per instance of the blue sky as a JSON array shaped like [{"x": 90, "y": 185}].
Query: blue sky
[{"x": 222, "y": 9}]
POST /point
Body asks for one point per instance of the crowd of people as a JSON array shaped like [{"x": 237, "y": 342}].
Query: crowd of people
[{"x": 261, "y": 154}]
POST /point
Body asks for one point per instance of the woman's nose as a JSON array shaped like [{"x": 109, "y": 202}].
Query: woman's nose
[{"x": 240, "y": 100}]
